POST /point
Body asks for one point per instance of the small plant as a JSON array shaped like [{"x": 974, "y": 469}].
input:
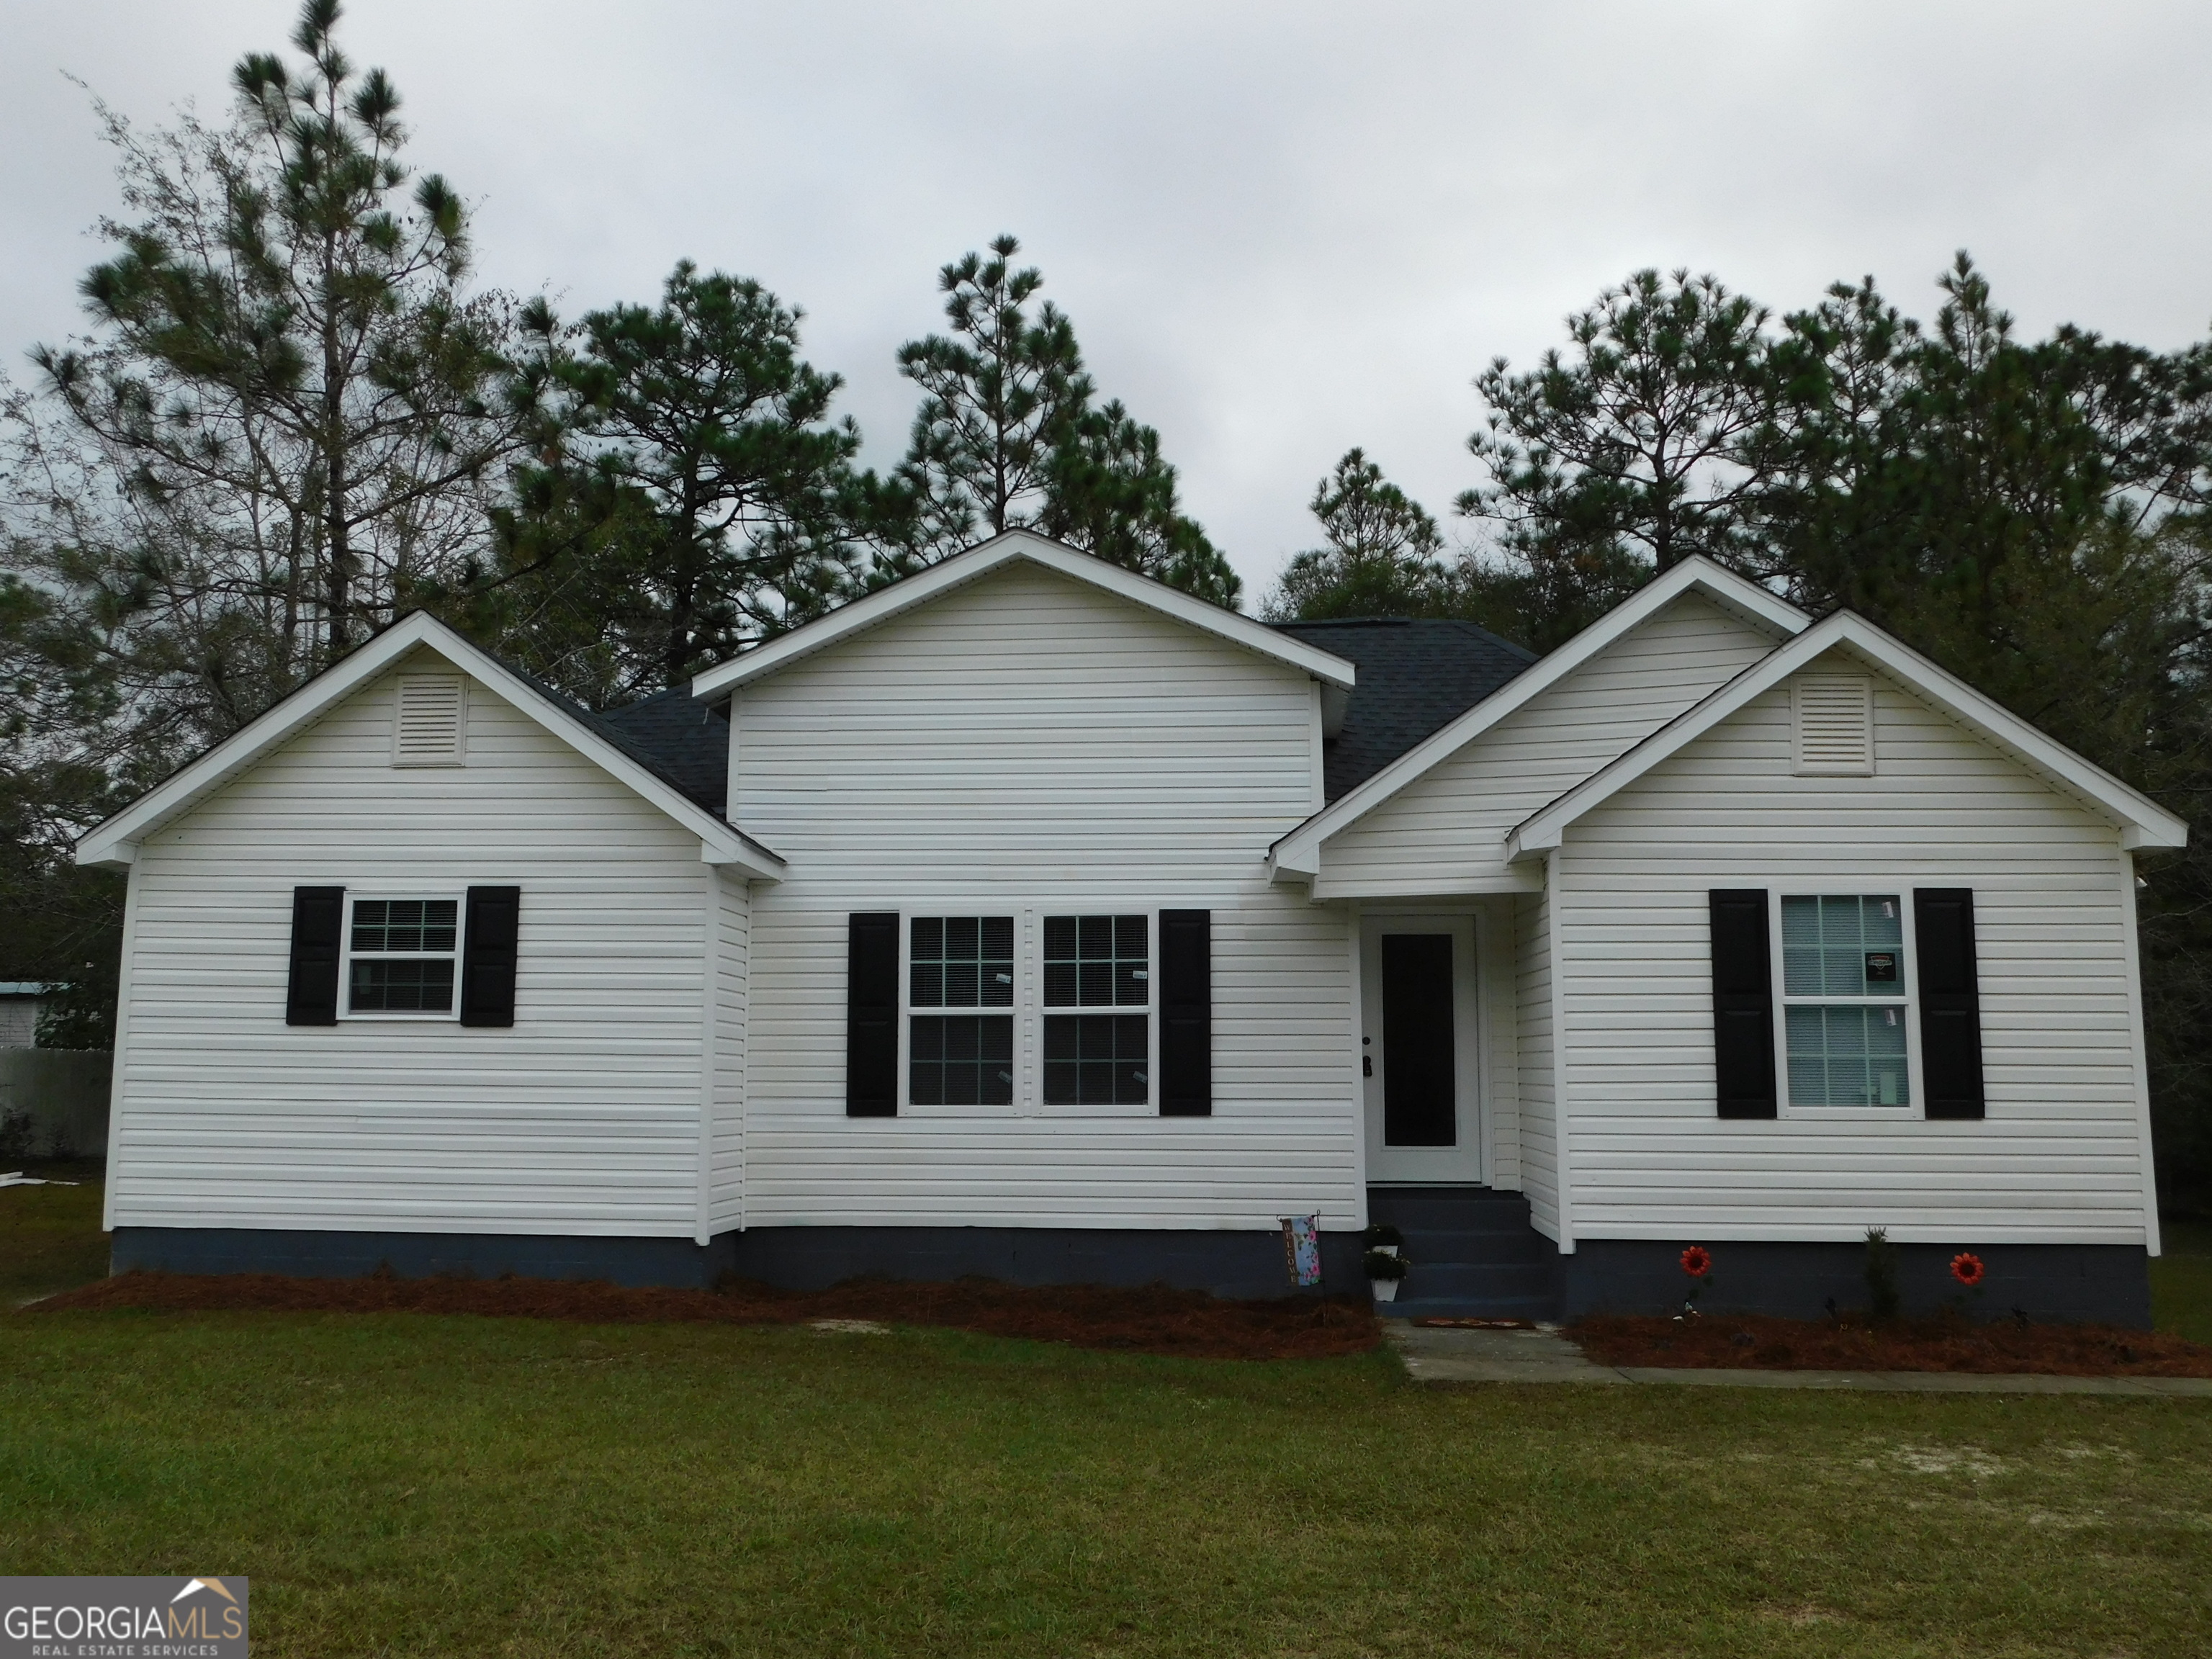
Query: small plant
[
  {"x": 1381, "y": 1235},
  {"x": 1882, "y": 1299},
  {"x": 1385, "y": 1264},
  {"x": 1697, "y": 1262},
  {"x": 15, "y": 1134}
]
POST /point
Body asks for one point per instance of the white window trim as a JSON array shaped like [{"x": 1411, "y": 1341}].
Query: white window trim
[
  {"x": 1150, "y": 1106},
  {"x": 1029, "y": 1009},
  {"x": 1907, "y": 1001},
  {"x": 906, "y": 1108},
  {"x": 382, "y": 896}
]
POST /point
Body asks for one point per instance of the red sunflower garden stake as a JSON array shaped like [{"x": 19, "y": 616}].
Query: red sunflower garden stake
[
  {"x": 1966, "y": 1267},
  {"x": 1697, "y": 1262}
]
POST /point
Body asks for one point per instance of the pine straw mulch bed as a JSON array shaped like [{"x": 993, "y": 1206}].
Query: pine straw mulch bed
[
  {"x": 1152, "y": 1319},
  {"x": 1758, "y": 1343}
]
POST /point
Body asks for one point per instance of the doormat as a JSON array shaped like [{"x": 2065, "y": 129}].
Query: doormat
[{"x": 1443, "y": 1322}]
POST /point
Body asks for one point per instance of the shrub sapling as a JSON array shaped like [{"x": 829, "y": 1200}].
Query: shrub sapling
[{"x": 1882, "y": 1299}]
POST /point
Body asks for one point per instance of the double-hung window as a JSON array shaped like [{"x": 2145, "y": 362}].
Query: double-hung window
[
  {"x": 1843, "y": 999},
  {"x": 958, "y": 1054},
  {"x": 1098, "y": 1002},
  {"x": 401, "y": 955}
]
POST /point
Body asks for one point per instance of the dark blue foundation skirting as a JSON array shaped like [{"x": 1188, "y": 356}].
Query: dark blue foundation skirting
[
  {"x": 312, "y": 1255},
  {"x": 2102, "y": 1284},
  {"x": 1234, "y": 1264}
]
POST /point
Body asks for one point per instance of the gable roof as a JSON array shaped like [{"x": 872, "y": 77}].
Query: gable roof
[
  {"x": 616, "y": 752},
  {"x": 1298, "y": 852},
  {"x": 909, "y": 593},
  {"x": 1414, "y": 676},
  {"x": 2143, "y": 823}
]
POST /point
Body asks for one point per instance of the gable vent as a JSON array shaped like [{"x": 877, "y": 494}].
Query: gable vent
[
  {"x": 429, "y": 727},
  {"x": 1832, "y": 718}
]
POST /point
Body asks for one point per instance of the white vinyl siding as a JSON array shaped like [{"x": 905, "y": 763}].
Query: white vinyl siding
[
  {"x": 2059, "y": 1157},
  {"x": 1534, "y": 1035},
  {"x": 583, "y": 1118},
  {"x": 1031, "y": 745},
  {"x": 1496, "y": 942},
  {"x": 726, "y": 1194},
  {"x": 1447, "y": 830}
]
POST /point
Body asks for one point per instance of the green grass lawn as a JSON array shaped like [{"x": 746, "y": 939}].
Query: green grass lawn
[
  {"x": 2181, "y": 1280},
  {"x": 412, "y": 1485},
  {"x": 49, "y": 1236}
]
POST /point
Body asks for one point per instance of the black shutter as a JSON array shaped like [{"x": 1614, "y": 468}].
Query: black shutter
[
  {"x": 1186, "y": 1013},
  {"x": 1950, "y": 1001},
  {"x": 872, "y": 999},
  {"x": 1743, "y": 1003},
  {"x": 495, "y": 915},
  {"x": 318, "y": 920}
]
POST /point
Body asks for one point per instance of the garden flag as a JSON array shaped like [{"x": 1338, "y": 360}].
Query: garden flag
[{"x": 1302, "y": 1249}]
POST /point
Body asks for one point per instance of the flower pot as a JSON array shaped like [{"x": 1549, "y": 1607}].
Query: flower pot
[{"x": 1386, "y": 1290}]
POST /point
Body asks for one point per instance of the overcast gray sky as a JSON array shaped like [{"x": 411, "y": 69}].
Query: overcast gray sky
[{"x": 1281, "y": 230}]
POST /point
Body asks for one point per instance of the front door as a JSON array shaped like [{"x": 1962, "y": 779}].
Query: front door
[{"x": 1418, "y": 1059}]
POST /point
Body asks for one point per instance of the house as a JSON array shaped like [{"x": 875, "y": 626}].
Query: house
[
  {"x": 1033, "y": 918},
  {"x": 21, "y": 1003}
]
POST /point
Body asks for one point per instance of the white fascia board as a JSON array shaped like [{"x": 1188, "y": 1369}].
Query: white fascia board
[
  {"x": 962, "y": 569},
  {"x": 2142, "y": 823},
  {"x": 114, "y": 843},
  {"x": 1298, "y": 852},
  {"x": 1510, "y": 878}
]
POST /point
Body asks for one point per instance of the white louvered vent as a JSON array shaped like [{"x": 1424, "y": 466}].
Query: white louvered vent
[
  {"x": 430, "y": 725},
  {"x": 1833, "y": 718}
]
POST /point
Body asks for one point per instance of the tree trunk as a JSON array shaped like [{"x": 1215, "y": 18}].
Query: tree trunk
[{"x": 339, "y": 598}]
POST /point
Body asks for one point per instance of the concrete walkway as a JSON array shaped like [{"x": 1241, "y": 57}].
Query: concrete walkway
[{"x": 1544, "y": 1356}]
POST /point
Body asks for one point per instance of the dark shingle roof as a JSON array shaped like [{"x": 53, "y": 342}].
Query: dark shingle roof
[
  {"x": 687, "y": 745},
  {"x": 1414, "y": 678},
  {"x": 684, "y": 745}
]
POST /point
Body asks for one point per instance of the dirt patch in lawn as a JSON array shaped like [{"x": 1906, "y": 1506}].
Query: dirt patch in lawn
[
  {"x": 1756, "y": 1342},
  {"x": 1151, "y": 1319}
]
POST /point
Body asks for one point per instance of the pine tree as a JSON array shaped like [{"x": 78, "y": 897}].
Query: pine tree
[
  {"x": 1641, "y": 446},
  {"x": 302, "y": 405},
  {"x": 699, "y": 477},
  {"x": 1007, "y": 437},
  {"x": 1380, "y": 554}
]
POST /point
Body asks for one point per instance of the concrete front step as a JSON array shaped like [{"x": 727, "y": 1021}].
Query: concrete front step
[
  {"x": 1477, "y": 1208},
  {"x": 1473, "y": 1250},
  {"x": 1523, "y": 1244},
  {"x": 1477, "y": 1279}
]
